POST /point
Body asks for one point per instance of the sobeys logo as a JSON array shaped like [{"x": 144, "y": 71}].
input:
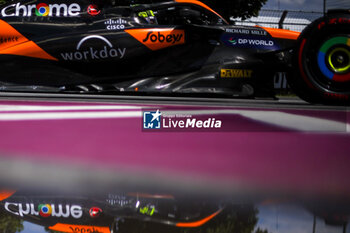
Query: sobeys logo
[
  {"x": 44, "y": 210},
  {"x": 92, "y": 53},
  {"x": 41, "y": 9},
  {"x": 156, "y": 39},
  {"x": 161, "y": 38}
]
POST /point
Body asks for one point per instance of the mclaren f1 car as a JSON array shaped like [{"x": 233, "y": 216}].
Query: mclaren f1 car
[{"x": 175, "y": 47}]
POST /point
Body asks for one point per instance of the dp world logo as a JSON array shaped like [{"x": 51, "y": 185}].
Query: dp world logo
[{"x": 151, "y": 120}]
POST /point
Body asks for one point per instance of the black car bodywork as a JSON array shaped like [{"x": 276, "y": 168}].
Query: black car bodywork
[{"x": 182, "y": 46}]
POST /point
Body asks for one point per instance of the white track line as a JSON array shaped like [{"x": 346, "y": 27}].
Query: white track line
[
  {"x": 67, "y": 115},
  {"x": 10, "y": 108},
  {"x": 276, "y": 118}
]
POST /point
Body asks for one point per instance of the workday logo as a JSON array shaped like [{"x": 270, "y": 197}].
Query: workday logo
[
  {"x": 93, "y": 53},
  {"x": 152, "y": 120}
]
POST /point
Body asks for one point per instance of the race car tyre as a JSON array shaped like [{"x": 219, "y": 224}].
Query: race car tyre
[{"x": 321, "y": 62}]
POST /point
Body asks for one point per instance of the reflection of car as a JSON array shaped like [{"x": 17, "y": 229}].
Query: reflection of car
[
  {"x": 105, "y": 213},
  {"x": 181, "y": 46},
  {"x": 127, "y": 212}
]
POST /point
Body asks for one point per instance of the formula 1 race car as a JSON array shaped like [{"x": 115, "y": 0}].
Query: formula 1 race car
[{"x": 176, "y": 47}]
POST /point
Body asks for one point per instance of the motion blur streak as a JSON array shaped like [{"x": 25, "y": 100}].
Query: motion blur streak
[
  {"x": 198, "y": 223},
  {"x": 6, "y": 194}
]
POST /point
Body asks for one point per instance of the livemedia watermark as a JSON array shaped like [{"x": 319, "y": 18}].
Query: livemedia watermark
[{"x": 169, "y": 121}]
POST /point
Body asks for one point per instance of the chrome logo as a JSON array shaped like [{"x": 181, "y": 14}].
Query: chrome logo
[
  {"x": 93, "y": 10},
  {"x": 45, "y": 210},
  {"x": 95, "y": 212},
  {"x": 42, "y": 9}
]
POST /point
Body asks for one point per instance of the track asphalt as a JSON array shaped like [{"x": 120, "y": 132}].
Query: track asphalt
[{"x": 285, "y": 145}]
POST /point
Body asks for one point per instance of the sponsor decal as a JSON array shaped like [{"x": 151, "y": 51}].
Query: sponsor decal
[
  {"x": 93, "y": 10},
  {"x": 156, "y": 39},
  {"x": 232, "y": 41},
  {"x": 236, "y": 73},
  {"x": 246, "y": 31},
  {"x": 118, "y": 24},
  {"x": 62, "y": 227},
  {"x": 10, "y": 39},
  {"x": 95, "y": 212},
  {"x": 44, "y": 210},
  {"x": 158, "y": 120},
  {"x": 118, "y": 200},
  {"x": 41, "y": 9},
  {"x": 333, "y": 21},
  {"x": 255, "y": 42},
  {"x": 336, "y": 96},
  {"x": 249, "y": 41},
  {"x": 87, "y": 229},
  {"x": 91, "y": 53}
]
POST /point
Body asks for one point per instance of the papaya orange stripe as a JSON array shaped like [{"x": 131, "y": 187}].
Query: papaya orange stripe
[
  {"x": 282, "y": 33},
  {"x": 6, "y": 194},
  {"x": 28, "y": 49},
  {"x": 17, "y": 44},
  {"x": 198, "y": 223},
  {"x": 202, "y": 5},
  {"x": 10, "y": 35},
  {"x": 141, "y": 34},
  {"x": 69, "y": 228}
]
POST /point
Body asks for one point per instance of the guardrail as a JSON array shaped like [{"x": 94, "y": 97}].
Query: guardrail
[{"x": 291, "y": 20}]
